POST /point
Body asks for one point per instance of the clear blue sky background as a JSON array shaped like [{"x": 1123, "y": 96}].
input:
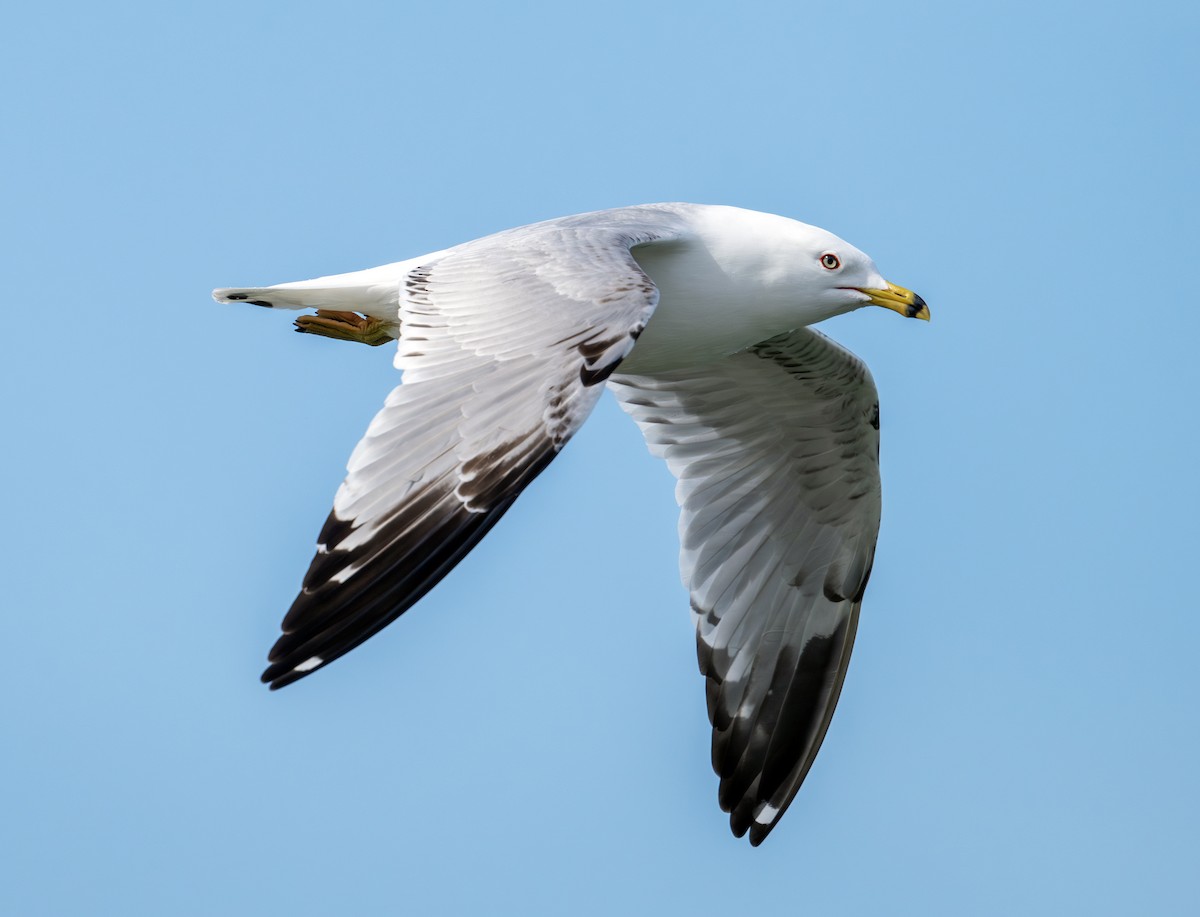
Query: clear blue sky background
[{"x": 1018, "y": 733}]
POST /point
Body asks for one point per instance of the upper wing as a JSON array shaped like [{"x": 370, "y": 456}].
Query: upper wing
[
  {"x": 503, "y": 342},
  {"x": 776, "y": 450}
]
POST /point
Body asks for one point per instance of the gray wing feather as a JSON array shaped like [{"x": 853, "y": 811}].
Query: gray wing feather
[
  {"x": 503, "y": 344},
  {"x": 775, "y": 449}
]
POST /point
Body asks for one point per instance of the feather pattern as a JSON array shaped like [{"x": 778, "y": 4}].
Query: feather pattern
[
  {"x": 503, "y": 344},
  {"x": 775, "y": 449}
]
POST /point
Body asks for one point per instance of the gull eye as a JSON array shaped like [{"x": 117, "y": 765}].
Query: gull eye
[{"x": 830, "y": 261}]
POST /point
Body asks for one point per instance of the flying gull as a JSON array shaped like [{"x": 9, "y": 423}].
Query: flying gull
[{"x": 698, "y": 319}]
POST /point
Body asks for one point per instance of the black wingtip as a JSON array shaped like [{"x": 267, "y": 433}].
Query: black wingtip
[
  {"x": 275, "y": 681},
  {"x": 280, "y": 676}
]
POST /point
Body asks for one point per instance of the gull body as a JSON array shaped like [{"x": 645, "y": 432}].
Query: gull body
[{"x": 696, "y": 318}]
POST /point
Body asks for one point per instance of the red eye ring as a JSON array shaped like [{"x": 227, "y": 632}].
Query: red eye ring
[{"x": 830, "y": 261}]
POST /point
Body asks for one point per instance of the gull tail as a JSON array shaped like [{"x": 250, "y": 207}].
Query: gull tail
[{"x": 374, "y": 292}]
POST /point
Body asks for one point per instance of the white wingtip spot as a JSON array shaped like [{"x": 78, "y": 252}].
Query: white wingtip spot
[
  {"x": 308, "y": 664},
  {"x": 766, "y": 814},
  {"x": 345, "y": 573}
]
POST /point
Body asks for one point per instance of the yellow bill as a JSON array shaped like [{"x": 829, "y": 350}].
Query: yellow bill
[{"x": 898, "y": 299}]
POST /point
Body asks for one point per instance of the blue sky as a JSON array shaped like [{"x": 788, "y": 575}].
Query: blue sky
[{"x": 1018, "y": 730}]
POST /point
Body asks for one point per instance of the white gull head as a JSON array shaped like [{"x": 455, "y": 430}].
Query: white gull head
[{"x": 742, "y": 276}]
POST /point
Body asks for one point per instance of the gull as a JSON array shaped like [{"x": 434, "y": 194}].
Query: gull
[{"x": 698, "y": 319}]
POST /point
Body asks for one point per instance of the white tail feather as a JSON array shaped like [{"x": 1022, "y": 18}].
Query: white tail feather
[{"x": 374, "y": 292}]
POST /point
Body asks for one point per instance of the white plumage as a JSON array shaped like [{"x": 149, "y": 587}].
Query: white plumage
[{"x": 696, "y": 317}]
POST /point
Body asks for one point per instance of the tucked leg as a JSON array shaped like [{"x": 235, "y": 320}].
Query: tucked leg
[{"x": 348, "y": 326}]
